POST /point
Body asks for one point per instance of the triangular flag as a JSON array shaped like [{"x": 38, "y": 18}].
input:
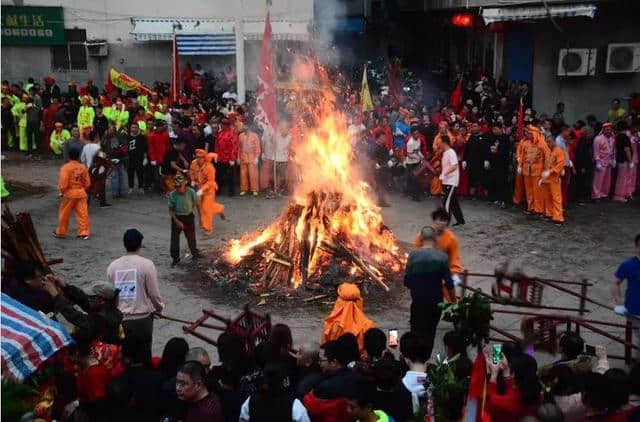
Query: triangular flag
[{"x": 365, "y": 95}]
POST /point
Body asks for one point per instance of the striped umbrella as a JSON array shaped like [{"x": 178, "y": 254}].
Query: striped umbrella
[{"x": 28, "y": 338}]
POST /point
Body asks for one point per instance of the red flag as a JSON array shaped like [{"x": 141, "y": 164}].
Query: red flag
[
  {"x": 477, "y": 391},
  {"x": 266, "y": 115},
  {"x": 175, "y": 74},
  {"x": 456, "y": 97},
  {"x": 520, "y": 127}
]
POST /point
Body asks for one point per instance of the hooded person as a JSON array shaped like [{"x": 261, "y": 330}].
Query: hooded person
[
  {"x": 86, "y": 114},
  {"x": 533, "y": 161},
  {"x": 73, "y": 184},
  {"x": 248, "y": 154},
  {"x": 347, "y": 316},
  {"x": 604, "y": 156},
  {"x": 196, "y": 166},
  {"x": 19, "y": 111},
  {"x": 207, "y": 187}
]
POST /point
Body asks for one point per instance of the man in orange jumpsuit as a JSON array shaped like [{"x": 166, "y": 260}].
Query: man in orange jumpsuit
[
  {"x": 552, "y": 183},
  {"x": 73, "y": 184},
  {"x": 207, "y": 187},
  {"x": 533, "y": 161},
  {"x": 248, "y": 155}
]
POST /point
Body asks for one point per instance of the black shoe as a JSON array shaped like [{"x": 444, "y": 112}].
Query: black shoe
[
  {"x": 458, "y": 224},
  {"x": 196, "y": 255},
  {"x": 105, "y": 205},
  {"x": 175, "y": 262}
]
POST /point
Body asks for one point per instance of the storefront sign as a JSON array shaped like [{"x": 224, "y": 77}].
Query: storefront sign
[{"x": 26, "y": 25}]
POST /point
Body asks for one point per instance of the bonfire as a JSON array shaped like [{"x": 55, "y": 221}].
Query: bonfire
[{"x": 332, "y": 230}]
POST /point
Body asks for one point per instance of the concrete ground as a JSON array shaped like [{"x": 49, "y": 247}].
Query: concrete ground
[{"x": 595, "y": 239}]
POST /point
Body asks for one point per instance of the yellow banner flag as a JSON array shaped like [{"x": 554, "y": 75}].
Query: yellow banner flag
[{"x": 365, "y": 95}]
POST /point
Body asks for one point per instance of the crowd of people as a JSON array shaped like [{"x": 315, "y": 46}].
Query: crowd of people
[
  {"x": 354, "y": 373},
  {"x": 485, "y": 143},
  {"x": 501, "y": 149}
]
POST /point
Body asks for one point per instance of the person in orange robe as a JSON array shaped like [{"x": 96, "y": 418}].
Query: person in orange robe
[
  {"x": 196, "y": 166},
  {"x": 436, "y": 158},
  {"x": 347, "y": 316},
  {"x": 534, "y": 160},
  {"x": 73, "y": 184},
  {"x": 207, "y": 187},
  {"x": 248, "y": 155},
  {"x": 551, "y": 181}
]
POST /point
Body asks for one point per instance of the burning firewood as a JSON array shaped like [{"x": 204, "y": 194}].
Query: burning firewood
[{"x": 331, "y": 231}]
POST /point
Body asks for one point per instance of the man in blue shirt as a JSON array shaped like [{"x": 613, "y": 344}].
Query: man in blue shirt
[
  {"x": 629, "y": 270},
  {"x": 427, "y": 267}
]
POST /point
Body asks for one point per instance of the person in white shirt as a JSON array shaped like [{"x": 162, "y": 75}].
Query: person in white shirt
[
  {"x": 271, "y": 401},
  {"x": 282, "y": 142},
  {"x": 450, "y": 178},
  {"x": 415, "y": 352},
  {"x": 413, "y": 160},
  {"x": 89, "y": 151}
]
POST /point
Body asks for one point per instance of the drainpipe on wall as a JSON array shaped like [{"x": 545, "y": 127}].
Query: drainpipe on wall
[{"x": 240, "y": 73}]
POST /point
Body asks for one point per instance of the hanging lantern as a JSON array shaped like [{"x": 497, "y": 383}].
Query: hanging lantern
[{"x": 462, "y": 20}]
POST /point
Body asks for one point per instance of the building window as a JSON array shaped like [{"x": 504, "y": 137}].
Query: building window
[{"x": 71, "y": 56}]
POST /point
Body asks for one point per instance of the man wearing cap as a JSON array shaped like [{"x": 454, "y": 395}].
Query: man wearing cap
[
  {"x": 99, "y": 317},
  {"x": 137, "y": 280},
  {"x": 73, "y": 184},
  {"x": 59, "y": 137},
  {"x": 182, "y": 203},
  {"x": 249, "y": 153}
]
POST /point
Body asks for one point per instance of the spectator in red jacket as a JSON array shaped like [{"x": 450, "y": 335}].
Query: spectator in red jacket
[
  {"x": 327, "y": 402},
  {"x": 157, "y": 147},
  {"x": 226, "y": 146},
  {"x": 523, "y": 393}
]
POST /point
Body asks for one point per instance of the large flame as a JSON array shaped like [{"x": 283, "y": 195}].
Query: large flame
[{"x": 336, "y": 202}]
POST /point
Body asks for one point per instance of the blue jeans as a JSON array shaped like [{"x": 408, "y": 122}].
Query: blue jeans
[{"x": 118, "y": 180}]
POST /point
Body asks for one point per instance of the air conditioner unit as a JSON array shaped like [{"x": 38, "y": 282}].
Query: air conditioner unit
[
  {"x": 623, "y": 58},
  {"x": 97, "y": 48},
  {"x": 577, "y": 62}
]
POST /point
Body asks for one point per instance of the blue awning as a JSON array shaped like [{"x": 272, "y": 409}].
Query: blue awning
[{"x": 206, "y": 44}]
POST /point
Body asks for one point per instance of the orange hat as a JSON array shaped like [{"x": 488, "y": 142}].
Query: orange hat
[{"x": 200, "y": 153}]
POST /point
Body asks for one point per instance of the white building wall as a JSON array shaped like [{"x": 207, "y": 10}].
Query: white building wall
[{"x": 145, "y": 60}]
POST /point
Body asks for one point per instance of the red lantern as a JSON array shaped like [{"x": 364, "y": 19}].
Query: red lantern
[{"x": 463, "y": 20}]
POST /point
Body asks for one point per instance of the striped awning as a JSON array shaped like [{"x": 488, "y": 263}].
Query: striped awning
[
  {"x": 162, "y": 29},
  {"x": 504, "y": 14},
  {"x": 28, "y": 338},
  {"x": 206, "y": 44}
]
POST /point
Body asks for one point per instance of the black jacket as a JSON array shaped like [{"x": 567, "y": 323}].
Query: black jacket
[{"x": 89, "y": 325}]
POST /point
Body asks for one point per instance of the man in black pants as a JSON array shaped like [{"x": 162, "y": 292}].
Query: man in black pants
[
  {"x": 450, "y": 177},
  {"x": 499, "y": 156},
  {"x": 137, "y": 157},
  {"x": 182, "y": 203},
  {"x": 427, "y": 267}
]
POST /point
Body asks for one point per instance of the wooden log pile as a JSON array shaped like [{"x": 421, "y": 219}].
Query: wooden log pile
[
  {"x": 20, "y": 242},
  {"x": 302, "y": 243}
]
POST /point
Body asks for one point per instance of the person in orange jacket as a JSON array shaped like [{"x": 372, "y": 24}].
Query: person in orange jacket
[
  {"x": 73, "y": 184},
  {"x": 551, "y": 181},
  {"x": 248, "y": 154},
  {"x": 532, "y": 162},
  {"x": 196, "y": 166},
  {"x": 207, "y": 187}
]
